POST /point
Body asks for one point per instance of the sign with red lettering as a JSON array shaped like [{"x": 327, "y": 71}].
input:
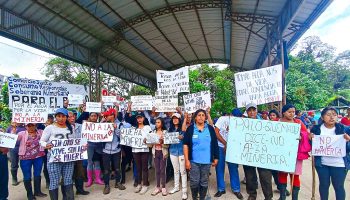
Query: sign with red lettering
[
  {"x": 329, "y": 145},
  {"x": 29, "y": 113},
  {"x": 68, "y": 150},
  {"x": 97, "y": 132}
]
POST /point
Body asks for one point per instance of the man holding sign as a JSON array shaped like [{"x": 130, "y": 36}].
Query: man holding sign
[
  {"x": 265, "y": 175},
  {"x": 331, "y": 166}
]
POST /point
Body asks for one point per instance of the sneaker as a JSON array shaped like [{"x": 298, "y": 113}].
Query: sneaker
[
  {"x": 119, "y": 186},
  {"x": 106, "y": 190},
  {"x": 184, "y": 196},
  {"x": 164, "y": 192},
  {"x": 143, "y": 190},
  {"x": 174, "y": 190},
  {"x": 138, "y": 188},
  {"x": 156, "y": 191}
]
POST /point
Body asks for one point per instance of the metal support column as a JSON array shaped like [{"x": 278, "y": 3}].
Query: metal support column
[
  {"x": 284, "y": 99},
  {"x": 95, "y": 79}
]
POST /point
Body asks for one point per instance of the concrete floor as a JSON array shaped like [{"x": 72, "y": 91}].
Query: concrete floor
[{"x": 19, "y": 193}]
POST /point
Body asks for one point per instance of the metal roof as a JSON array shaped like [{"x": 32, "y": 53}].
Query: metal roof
[{"x": 133, "y": 38}]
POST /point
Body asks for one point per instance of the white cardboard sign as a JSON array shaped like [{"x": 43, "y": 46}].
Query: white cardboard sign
[
  {"x": 171, "y": 138},
  {"x": 76, "y": 99},
  {"x": 97, "y": 132},
  {"x": 165, "y": 103},
  {"x": 141, "y": 102},
  {"x": 8, "y": 140},
  {"x": 173, "y": 82},
  {"x": 68, "y": 150},
  {"x": 195, "y": 101},
  {"x": 93, "y": 107},
  {"x": 329, "y": 145},
  {"x": 259, "y": 86},
  {"x": 29, "y": 113},
  {"x": 132, "y": 137}
]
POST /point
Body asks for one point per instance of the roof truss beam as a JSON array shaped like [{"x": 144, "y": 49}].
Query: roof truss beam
[
  {"x": 286, "y": 17},
  {"x": 62, "y": 47}
]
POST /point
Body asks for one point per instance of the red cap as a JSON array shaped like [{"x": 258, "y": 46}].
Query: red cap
[
  {"x": 310, "y": 113},
  {"x": 109, "y": 112}
]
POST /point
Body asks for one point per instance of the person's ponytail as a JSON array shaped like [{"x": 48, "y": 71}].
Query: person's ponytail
[{"x": 69, "y": 126}]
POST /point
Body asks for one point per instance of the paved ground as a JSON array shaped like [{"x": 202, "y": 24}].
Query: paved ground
[{"x": 18, "y": 192}]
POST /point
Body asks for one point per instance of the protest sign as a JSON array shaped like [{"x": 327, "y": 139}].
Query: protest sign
[
  {"x": 171, "y": 138},
  {"x": 76, "y": 99},
  {"x": 48, "y": 93},
  {"x": 8, "y": 140},
  {"x": 165, "y": 103},
  {"x": 109, "y": 100},
  {"x": 29, "y": 113},
  {"x": 141, "y": 102},
  {"x": 93, "y": 107},
  {"x": 329, "y": 145},
  {"x": 152, "y": 138},
  {"x": 68, "y": 150},
  {"x": 173, "y": 82},
  {"x": 199, "y": 100},
  {"x": 259, "y": 86},
  {"x": 132, "y": 137},
  {"x": 97, "y": 132},
  {"x": 261, "y": 143}
]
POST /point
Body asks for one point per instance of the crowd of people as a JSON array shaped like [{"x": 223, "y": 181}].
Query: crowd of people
[{"x": 203, "y": 144}]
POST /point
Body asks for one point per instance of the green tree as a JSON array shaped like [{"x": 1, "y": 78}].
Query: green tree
[
  {"x": 140, "y": 90},
  {"x": 62, "y": 70},
  {"x": 221, "y": 86}
]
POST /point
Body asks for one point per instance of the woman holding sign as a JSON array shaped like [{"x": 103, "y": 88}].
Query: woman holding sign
[
  {"x": 201, "y": 151},
  {"x": 31, "y": 155},
  {"x": 61, "y": 129},
  {"x": 160, "y": 154},
  {"x": 141, "y": 156},
  {"x": 288, "y": 113},
  {"x": 331, "y": 168},
  {"x": 177, "y": 157}
]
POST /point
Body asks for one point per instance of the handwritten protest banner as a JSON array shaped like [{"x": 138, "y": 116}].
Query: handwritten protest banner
[
  {"x": 8, "y": 140},
  {"x": 195, "y": 101},
  {"x": 76, "y": 99},
  {"x": 265, "y": 144},
  {"x": 93, "y": 107},
  {"x": 171, "y": 138},
  {"x": 259, "y": 86},
  {"x": 141, "y": 102},
  {"x": 132, "y": 137},
  {"x": 29, "y": 113},
  {"x": 48, "y": 93},
  {"x": 109, "y": 100},
  {"x": 68, "y": 150},
  {"x": 97, "y": 132},
  {"x": 329, "y": 145},
  {"x": 152, "y": 138},
  {"x": 165, "y": 103},
  {"x": 173, "y": 82}
]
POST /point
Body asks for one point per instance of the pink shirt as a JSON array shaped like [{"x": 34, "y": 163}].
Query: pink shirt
[{"x": 23, "y": 138}]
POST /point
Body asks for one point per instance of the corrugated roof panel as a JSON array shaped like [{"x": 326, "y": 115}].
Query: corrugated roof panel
[
  {"x": 150, "y": 5},
  {"x": 126, "y": 8}
]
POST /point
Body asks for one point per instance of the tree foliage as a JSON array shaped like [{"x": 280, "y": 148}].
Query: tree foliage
[{"x": 62, "y": 70}]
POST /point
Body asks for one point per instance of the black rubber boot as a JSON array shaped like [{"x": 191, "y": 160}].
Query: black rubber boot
[
  {"x": 79, "y": 185},
  {"x": 68, "y": 190},
  {"x": 283, "y": 189},
  {"x": 37, "y": 187},
  {"x": 194, "y": 192},
  {"x": 63, "y": 190},
  {"x": 14, "y": 177},
  {"x": 28, "y": 186},
  {"x": 53, "y": 194},
  {"x": 295, "y": 193},
  {"x": 203, "y": 193}
]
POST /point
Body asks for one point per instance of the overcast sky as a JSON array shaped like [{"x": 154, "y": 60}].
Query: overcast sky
[{"x": 333, "y": 27}]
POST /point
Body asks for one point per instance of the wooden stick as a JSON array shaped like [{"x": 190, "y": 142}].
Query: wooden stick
[
  {"x": 291, "y": 186},
  {"x": 313, "y": 178}
]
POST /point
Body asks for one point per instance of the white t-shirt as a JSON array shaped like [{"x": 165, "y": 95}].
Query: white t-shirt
[
  {"x": 53, "y": 132},
  {"x": 331, "y": 161},
  {"x": 145, "y": 130},
  {"x": 223, "y": 125}
]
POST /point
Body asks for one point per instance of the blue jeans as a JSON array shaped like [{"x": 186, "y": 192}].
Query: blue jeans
[
  {"x": 220, "y": 173},
  {"x": 4, "y": 177},
  {"x": 337, "y": 175},
  {"x": 26, "y": 166}
]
